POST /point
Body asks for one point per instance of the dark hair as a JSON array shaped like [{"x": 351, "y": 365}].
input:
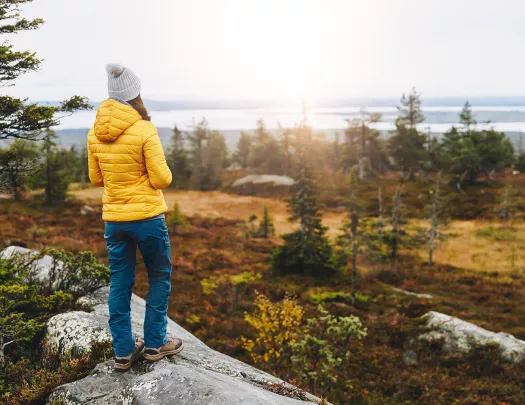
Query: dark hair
[{"x": 138, "y": 105}]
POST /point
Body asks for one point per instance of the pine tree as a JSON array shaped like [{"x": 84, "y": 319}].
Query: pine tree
[
  {"x": 178, "y": 160},
  {"x": 306, "y": 250},
  {"x": 410, "y": 111},
  {"x": 407, "y": 145}
]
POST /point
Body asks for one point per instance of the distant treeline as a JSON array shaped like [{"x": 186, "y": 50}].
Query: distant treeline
[{"x": 197, "y": 157}]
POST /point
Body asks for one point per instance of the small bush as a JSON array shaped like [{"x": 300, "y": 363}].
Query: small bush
[{"x": 175, "y": 218}]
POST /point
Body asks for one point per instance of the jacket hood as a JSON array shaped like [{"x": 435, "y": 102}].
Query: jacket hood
[{"x": 113, "y": 118}]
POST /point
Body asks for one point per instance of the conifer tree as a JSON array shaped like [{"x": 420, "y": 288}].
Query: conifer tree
[
  {"x": 466, "y": 117},
  {"x": 410, "y": 110},
  {"x": 197, "y": 140},
  {"x": 306, "y": 250},
  {"x": 266, "y": 227},
  {"x": 407, "y": 145},
  {"x": 178, "y": 160},
  {"x": 244, "y": 149},
  {"x": 364, "y": 145}
]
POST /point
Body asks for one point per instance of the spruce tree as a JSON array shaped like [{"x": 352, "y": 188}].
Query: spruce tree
[
  {"x": 307, "y": 250},
  {"x": 466, "y": 117},
  {"x": 266, "y": 227}
]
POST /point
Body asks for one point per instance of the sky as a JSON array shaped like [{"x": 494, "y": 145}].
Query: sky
[{"x": 277, "y": 49}]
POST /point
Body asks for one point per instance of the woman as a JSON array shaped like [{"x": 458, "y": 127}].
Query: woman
[{"x": 126, "y": 158}]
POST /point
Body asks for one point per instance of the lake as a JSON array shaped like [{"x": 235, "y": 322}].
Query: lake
[{"x": 438, "y": 119}]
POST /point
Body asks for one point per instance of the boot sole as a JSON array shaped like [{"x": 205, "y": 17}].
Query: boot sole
[
  {"x": 127, "y": 366},
  {"x": 155, "y": 357}
]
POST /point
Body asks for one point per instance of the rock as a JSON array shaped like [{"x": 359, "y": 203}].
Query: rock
[
  {"x": 86, "y": 210},
  {"x": 39, "y": 271},
  {"x": 264, "y": 178},
  {"x": 199, "y": 375},
  {"x": 75, "y": 332},
  {"x": 460, "y": 335},
  {"x": 424, "y": 296}
]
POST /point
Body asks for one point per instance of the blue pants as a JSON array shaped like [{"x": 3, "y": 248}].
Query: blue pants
[{"x": 122, "y": 239}]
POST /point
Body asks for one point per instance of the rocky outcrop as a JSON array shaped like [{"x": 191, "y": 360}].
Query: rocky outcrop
[
  {"x": 459, "y": 335},
  {"x": 199, "y": 375}
]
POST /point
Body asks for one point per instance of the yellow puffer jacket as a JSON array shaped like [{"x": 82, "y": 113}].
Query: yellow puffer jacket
[{"x": 126, "y": 158}]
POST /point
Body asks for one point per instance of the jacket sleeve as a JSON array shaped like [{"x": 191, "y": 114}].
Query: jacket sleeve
[
  {"x": 158, "y": 170},
  {"x": 95, "y": 174}
]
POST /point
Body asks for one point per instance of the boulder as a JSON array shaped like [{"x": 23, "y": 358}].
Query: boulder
[
  {"x": 199, "y": 375},
  {"x": 413, "y": 294},
  {"x": 264, "y": 178},
  {"x": 459, "y": 335},
  {"x": 39, "y": 271}
]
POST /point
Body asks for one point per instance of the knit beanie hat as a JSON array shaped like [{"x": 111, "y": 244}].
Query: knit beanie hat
[{"x": 122, "y": 82}]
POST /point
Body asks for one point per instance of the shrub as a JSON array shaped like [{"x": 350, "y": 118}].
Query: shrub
[
  {"x": 26, "y": 304},
  {"x": 277, "y": 327},
  {"x": 175, "y": 218},
  {"x": 322, "y": 353}
]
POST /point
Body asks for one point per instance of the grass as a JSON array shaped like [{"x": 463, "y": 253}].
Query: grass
[
  {"x": 216, "y": 204},
  {"x": 483, "y": 246}
]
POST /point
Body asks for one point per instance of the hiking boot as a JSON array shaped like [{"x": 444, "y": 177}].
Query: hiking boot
[
  {"x": 173, "y": 346},
  {"x": 125, "y": 363}
]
